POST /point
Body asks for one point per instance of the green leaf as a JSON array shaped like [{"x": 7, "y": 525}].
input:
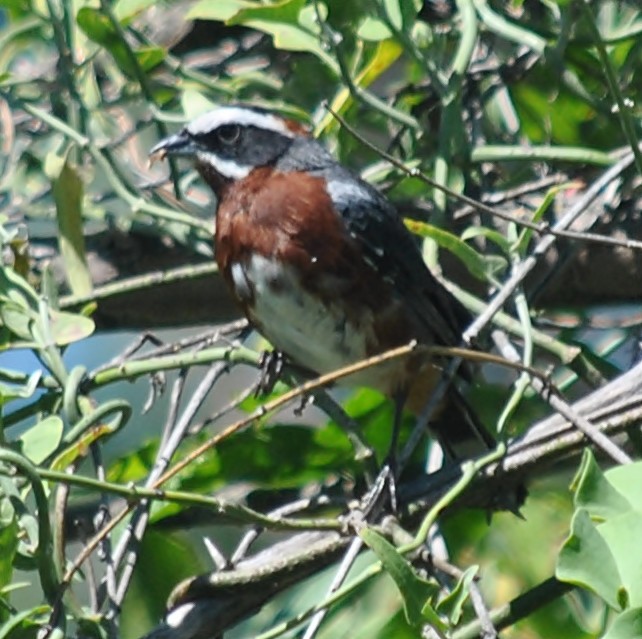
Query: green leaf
[
  {"x": 595, "y": 493},
  {"x": 416, "y": 593},
  {"x": 587, "y": 561},
  {"x": 68, "y": 188},
  {"x": 20, "y": 391},
  {"x": 49, "y": 287},
  {"x": 290, "y": 25},
  {"x": 373, "y": 30},
  {"x": 17, "y": 319},
  {"x": 14, "y": 288},
  {"x": 286, "y": 12},
  {"x": 490, "y": 234},
  {"x": 622, "y": 534},
  {"x": 78, "y": 449},
  {"x": 221, "y": 10},
  {"x": 194, "y": 103},
  {"x": 274, "y": 456},
  {"x": 605, "y": 558},
  {"x": 25, "y": 624},
  {"x": 628, "y": 625},
  {"x": 67, "y": 328},
  {"x": 382, "y": 58},
  {"x": 149, "y": 58},
  {"x": 452, "y": 605},
  {"x": 626, "y": 480},
  {"x": 98, "y": 28},
  {"x": 400, "y": 14},
  {"x": 8, "y": 540},
  {"x": 393, "y": 11},
  {"x": 477, "y": 264},
  {"x": 41, "y": 440},
  {"x": 134, "y": 466},
  {"x": 26, "y": 323},
  {"x": 525, "y": 236},
  {"x": 128, "y": 9},
  {"x": 409, "y": 10}
]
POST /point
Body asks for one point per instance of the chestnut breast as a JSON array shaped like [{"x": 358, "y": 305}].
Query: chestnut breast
[{"x": 302, "y": 280}]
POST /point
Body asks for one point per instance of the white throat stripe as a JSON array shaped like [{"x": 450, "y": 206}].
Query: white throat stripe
[{"x": 227, "y": 168}]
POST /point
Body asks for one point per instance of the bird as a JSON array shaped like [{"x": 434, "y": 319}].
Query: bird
[{"x": 318, "y": 259}]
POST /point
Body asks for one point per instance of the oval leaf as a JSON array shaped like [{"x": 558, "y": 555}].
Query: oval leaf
[
  {"x": 41, "y": 440},
  {"x": 68, "y": 190},
  {"x": 586, "y": 560}
]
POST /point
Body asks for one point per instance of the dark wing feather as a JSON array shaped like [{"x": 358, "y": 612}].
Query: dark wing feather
[{"x": 386, "y": 243}]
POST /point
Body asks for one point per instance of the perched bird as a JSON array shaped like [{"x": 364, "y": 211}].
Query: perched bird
[{"x": 318, "y": 259}]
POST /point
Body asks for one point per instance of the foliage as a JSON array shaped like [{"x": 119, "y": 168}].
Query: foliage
[{"x": 523, "y": 106}]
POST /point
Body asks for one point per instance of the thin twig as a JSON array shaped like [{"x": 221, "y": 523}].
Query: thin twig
[
  {"x": 501, "y": 297},
  {"x": 252, "y": 535},
  {"x": 566, "y": 410},
  {"x": 559, "y": 229},
  {"x": 140, "y": 517},
  {"x": 340, "y": 576}
]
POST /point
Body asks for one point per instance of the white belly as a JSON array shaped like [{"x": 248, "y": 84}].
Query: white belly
[{"x": 315, "y": 335}]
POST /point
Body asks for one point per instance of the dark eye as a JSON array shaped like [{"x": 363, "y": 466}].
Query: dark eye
[{"x": 228, "y": 133}]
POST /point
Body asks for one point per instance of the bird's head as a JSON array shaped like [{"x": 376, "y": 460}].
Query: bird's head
[{"x": 226, "y": 144}]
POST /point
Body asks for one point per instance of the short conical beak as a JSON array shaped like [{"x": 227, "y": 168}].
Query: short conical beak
[{"x": 179, "y": 145}]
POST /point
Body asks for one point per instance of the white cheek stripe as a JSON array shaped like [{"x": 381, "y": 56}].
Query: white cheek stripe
[
  {"x": 236, "y": 115},
  {"x": 227, "y": 168}
]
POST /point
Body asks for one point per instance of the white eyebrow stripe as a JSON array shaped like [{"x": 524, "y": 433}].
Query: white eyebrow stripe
[{"x": 236, "y": 115}]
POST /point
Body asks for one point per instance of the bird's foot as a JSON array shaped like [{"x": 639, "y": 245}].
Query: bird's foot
[
  {"x": 382, "y": 496},
  {"x": 271, "y": 366}
]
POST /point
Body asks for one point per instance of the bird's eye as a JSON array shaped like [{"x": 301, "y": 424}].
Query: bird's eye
[{"x": 228, "y": 133}]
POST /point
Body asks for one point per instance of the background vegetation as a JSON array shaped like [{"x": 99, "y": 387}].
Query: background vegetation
[{"x": 108, "y": 487}]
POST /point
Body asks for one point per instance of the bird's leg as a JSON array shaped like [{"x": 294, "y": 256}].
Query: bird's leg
[
  {"x": 390, "y": 463},
  {"x": 387, "y": 477},
  {"x": 271, "y": 365}
]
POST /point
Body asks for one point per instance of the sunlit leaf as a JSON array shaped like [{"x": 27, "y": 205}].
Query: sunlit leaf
[
  {"x": 221, "y": 10},
  {"x": 586, "y": 560},
  {"x": 68, "y": 195},
  {"x": 281, "y": 21},
  {"x": 42, "y": 439},
  {"x": 194, "y": 103},
  {"x": 604, "y": 556},
  {"x": 478, "y": 265},
  {"x": 373, "y": 29},
  {"x": 627, "y": 625},
  {"x": 98, "y": 28},
  {"x": 18, "y": 319},
  {"x": 67, "y": 328},
  {"x": 127, "y": 9},
  {"x": 9, "y": 392},
  {"x": 595, "y": 493}
]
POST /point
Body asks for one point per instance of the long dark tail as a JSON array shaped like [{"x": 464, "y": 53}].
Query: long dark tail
[
  {"x": 462, "y": 435},
  {"x": 459, "y": 429}
]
